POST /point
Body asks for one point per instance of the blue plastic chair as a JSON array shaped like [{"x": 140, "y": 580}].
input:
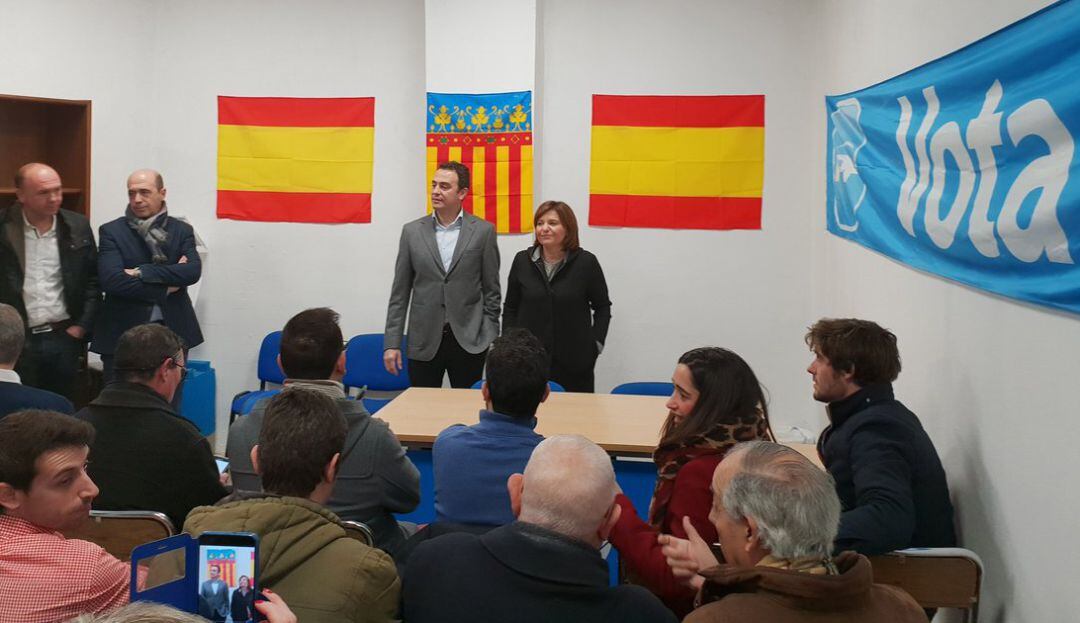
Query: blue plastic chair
[
  {"x": 268, "y": 372},
  {"x": 364, "y": 368},
  {"x": 552, "y": 385},
  {"x": 645, "y": 388}
]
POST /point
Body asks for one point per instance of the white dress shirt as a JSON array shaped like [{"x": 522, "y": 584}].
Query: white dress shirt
[
  {"x": 43, "y": 287},
  {"x": 446, "y": 238},
  {"x": 9, "y": 376}
]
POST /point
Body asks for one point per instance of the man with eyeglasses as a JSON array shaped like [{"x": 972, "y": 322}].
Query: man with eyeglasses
[{"x": 145, "y": 456}]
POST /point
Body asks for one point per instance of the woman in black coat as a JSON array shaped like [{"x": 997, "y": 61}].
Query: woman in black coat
[
  {"x": 557, "y": 290},
  {"x": 242, "y": 606}
]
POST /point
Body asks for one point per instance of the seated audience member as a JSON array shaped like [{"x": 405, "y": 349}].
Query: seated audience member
[
  {"x": 304, "y": 552},
  {"x": 776, "y": 514},
  {"x": 471, "y": 463},
  {"x": 145, "y": 456},
  {"x": 543, "y": 567},
  {"x": 273, "y": 608},
  {"x": 374, "y": 478},
  {"x": 44, "y": 490},
  {"x": 888, "y": 474},
  {"x": 717, "y": 402},
  {"x": 13, "y": 395}
]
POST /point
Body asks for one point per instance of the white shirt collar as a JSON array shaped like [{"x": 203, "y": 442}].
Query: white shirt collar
[
  {"x": 453, "y": 224},
  {"x": 9, "y": 376},
  {"x": 27, "y": 224}
]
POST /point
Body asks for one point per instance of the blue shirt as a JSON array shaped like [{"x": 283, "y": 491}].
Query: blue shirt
[{"x": 472, "y": 463}]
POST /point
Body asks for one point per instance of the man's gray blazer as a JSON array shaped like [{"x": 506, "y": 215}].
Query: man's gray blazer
[{"x": 467, "y": 296}]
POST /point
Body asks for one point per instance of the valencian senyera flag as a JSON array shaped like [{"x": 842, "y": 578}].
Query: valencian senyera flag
[
  {"x": 678, "y": 162},
  {"x": 225, "y": 561},
  {"x": 300, "y": 160},
  {"x": 492, "y": 135},
  {"x": 967, "y": 167}
]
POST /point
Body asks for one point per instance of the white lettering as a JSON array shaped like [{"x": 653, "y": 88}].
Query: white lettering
[
  {"x": 983, "y": 135},
  {"x": 1046, "y": 175},
  {"x": 1049, "y": 172},
  {"x": 942, "y": 229}
]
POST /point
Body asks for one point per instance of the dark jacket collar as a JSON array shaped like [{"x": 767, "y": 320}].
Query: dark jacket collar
[
  {"x": 541, "y": 553},
  {"x": 842, "y": 410},
  {"x": 127, "y": 395}
]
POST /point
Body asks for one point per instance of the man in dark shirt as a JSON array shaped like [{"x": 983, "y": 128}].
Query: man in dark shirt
[
  {"x": 888, "y": 474},
  {"x": 14, "y": 396},
  {"x": 546, "y": 566},
  {"x": 146, "y": 456}
]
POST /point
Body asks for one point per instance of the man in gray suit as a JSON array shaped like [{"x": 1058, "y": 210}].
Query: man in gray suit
[
  {"x": 214, "y": 596},
  {"x": 448, "y": 265}
]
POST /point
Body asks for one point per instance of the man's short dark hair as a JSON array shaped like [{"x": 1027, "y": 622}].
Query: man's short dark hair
[
  {"x": 301, "y": 431},
  {"x": 12, "y": 334},
  {"x": 856, "y": 345},
  {"x": 311, "y": 344},
  {"x": 517, "y": 373},
  {"x": 26, "y": 435},
  {"x": 463, "y": 176},
  {"x": 142, "y": 349}
]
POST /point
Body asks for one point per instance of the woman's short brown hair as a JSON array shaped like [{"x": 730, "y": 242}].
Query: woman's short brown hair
[
  {"x": 569, "y": 222},
  {"x": 859, "y": 346}
]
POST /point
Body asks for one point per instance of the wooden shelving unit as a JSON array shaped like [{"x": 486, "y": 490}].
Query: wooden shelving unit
[{"x": 55, "y": 132}]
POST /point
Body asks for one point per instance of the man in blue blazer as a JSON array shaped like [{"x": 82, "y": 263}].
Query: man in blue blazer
[
  {"x": 14, "y": 396},
  {"x": 146, "y": 262}
]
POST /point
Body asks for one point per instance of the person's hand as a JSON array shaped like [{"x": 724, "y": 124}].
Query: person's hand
[
  {"x": 182, "y": 260},
  {"x": 687, "y": 557},
  {"x": 76, "y": 332},
  {"x": 392, "y": 360},
  {"x": 274, "y": 608},
  {"x": 132, "y": 272}
]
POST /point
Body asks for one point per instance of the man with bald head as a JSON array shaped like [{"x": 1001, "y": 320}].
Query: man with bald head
[
  {"x": 48, "y": 272},
  {"x": 546, "y": 566},
  {"x": 147, "y": 262}
]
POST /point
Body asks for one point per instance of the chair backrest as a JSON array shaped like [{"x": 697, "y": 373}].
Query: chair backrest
[
  {"x": 552, "y": 386},
  {"x": 645, "y": 388},
  {"x": 119, "y": 532},
  {"x": 359, "y": 531},
  {"x": 269, "y": 370},
  {"x": 936, "y": 577},
  {"x": 364, "y": 365}
]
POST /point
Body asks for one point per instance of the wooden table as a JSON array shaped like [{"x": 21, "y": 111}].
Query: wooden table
[{"x": 621, "y": 424}]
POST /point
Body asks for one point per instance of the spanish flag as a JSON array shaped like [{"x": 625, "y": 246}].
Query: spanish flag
[
  {"x": 299, "y": 160},
  {"x": 677, "y": 162}
]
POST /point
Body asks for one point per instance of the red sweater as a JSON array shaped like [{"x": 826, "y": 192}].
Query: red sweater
[{"x": 636, "y": 539}]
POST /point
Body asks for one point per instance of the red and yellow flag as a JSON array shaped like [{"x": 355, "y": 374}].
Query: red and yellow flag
[
  {"x": 299, "y": 160},
  {"x": 678, "y": 162}
]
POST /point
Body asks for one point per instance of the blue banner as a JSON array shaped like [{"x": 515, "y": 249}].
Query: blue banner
[{"x": 967, "y": 167}]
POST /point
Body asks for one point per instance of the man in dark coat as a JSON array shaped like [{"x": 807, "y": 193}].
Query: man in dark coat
[
  {"x": 888, "y": 474},
  {"x": 147, "y": 262},
  {"x": 545, "y": 566},
  {"x": 145, "y": 456},
  {"x": 48, "y": 272},
  {"x": 14, "y": 396}
]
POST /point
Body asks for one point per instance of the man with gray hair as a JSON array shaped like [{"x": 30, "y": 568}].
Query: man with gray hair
[
  {"x": 14, "y": 396},
  {"x": 546, "y": 566},
  {"x": 776, "y": 515}
]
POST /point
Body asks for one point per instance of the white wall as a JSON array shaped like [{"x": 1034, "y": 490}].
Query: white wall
[
  {"x": 675, "y": 290},
  {"x": 260, "y": 274},
  {"x": 994, "y": 381}
]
